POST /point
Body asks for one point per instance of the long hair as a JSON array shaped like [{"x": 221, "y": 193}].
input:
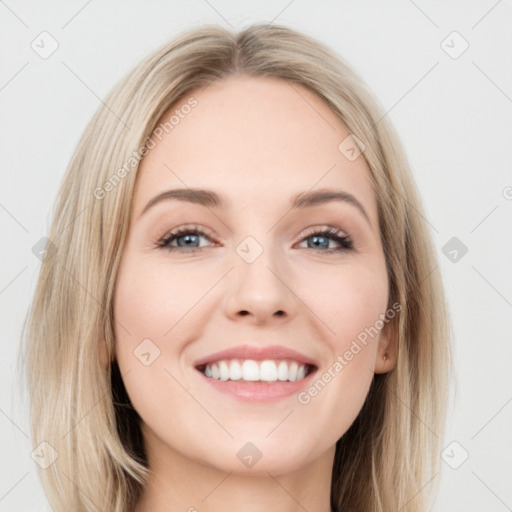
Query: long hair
[{"x": 389, "y": 458}]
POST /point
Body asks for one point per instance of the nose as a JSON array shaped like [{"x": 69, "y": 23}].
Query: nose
[{"x": 259, "y": 291}]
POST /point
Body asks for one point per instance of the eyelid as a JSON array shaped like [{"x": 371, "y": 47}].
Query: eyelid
[
  {"x": 322, "y": 227},
  {"x": 209, "y": 233},
  {"x": 188, "y": 228}
]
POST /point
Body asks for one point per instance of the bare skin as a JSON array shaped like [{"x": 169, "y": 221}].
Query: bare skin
[{"x": 257, "y": 143}]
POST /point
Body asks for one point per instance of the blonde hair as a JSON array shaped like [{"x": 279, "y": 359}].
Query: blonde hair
[{"x": 389, "y": 457}]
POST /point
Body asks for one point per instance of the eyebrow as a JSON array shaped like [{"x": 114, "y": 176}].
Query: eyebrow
[{"x": 211, "y": 199}]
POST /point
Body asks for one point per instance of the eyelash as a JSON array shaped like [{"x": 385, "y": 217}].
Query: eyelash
[{"x": 345, "y": 241}]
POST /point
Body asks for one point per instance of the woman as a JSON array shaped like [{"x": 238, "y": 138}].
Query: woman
[{"x": 241, "y": 308}]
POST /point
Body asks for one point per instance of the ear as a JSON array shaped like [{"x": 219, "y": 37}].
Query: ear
[{"x": 387, "y": 350}]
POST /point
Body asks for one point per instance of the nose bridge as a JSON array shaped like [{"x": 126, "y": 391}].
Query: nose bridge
[
  {"x": 258, "y": 244},
  {"x": 255, "y": 258},
  {"x": 257, "y": 286}
]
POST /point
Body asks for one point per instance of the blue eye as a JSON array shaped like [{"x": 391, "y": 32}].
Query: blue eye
[
  {"x": 188, "y": 240},
  {"x": 321, "y": 239}
]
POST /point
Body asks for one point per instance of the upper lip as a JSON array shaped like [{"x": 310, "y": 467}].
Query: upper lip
[{"x": 257, "y": 353}]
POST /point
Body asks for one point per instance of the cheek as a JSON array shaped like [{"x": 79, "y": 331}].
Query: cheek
[
  {"x": 151, "y": 298},
  {"x": 347, "y": 300},
  {"x": 155, "y": 310},
  {"x": 152, "y": 325}
]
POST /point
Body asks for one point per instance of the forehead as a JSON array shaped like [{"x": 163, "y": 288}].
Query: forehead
[{"x": 254, "y": 140}]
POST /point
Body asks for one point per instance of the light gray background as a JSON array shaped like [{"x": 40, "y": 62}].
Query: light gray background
[{"x": 454, "y": 116}]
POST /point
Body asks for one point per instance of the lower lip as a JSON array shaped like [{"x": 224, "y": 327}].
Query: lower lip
[{"x": 259, "y": 391}]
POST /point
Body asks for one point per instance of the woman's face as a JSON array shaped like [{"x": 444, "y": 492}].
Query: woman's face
[{"x": 261, "y": 275}]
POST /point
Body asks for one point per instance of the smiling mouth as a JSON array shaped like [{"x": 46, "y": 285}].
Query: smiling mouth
[{"x": 250, "y": 370}]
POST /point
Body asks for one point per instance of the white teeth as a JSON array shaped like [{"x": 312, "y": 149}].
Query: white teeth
[
  {"x": 224, "y": 370},
  {"x": 292, "y": 371},
  {"x": 268, "y": 371},
  {"x": 250, "y": 370},
  {"x": 282, "y": 371},
  {"x": 235, "y": 371},
  {"x": 253, "y": 371}
]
